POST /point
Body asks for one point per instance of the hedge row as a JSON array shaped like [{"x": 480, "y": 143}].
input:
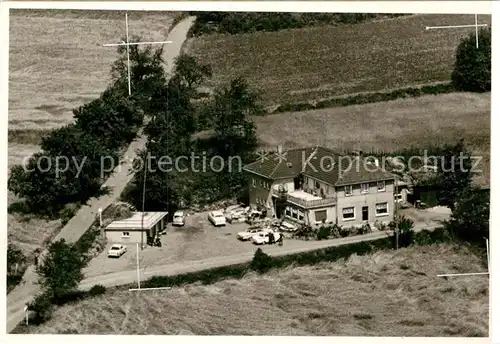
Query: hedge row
[
  {"x": 330, "y": 254},
  {"x": 410, "y": 92},
  {"x": 248, "y": 22}
]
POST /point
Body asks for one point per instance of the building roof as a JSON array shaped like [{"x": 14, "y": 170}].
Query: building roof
[
  {"x": 319, "y": 163},
  {"x": 135, "y": 222},
  {"x": 273, "y": 168}
]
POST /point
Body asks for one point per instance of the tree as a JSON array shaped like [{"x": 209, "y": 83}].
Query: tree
[
  {"x": 15, "y": 258},
  {"x": 61, "y": 269},
  {"x": 112, "y": 119},
  {"x": 454, "y": 174},
  {"x": 470, "y": 218},
  {"x": 68, "y": 170},
  {"x": 191, "y": 73},
  {"x": 146, "y": 72},
  {"x": 472, "y": 71},
  {"x": 231, "y": 108}
]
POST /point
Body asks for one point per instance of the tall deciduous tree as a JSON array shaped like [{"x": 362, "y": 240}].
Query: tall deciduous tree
[
  {"x": 472, "y": 70},
  {"x": 234, "y": 130},
  {"x": 454, "y": 174},
  {"x": 147, "y": 72},
  {"x": 61, "y": 269},
  {"x": 470, "y": 218}
]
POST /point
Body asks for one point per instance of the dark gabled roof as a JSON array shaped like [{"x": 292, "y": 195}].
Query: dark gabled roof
[
  {"x": 319, "y": 163},
  {"x": 273, "y": 168}
]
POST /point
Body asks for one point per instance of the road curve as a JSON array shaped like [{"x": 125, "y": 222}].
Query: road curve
[{"x": 83, "y": 219}]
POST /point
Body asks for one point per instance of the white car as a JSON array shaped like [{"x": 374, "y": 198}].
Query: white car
[
  {"x": 248, "y": 234},
  {"x": 262, "y": 238},
  {"x": 237, "y": 214},
  {"x": 117, "y": 250},
  {"x": 287, "y": 227},
  {"x": 179, "y": 219},
  {"x": 217, "y": 218}
]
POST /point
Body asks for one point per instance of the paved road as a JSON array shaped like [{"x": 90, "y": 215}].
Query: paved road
[
  {"x": 121, "y": 176},
  {"x": 130, "y": 276}
]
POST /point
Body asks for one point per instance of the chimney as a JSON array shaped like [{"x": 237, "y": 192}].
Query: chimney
[{"x": 279, "y": 149}]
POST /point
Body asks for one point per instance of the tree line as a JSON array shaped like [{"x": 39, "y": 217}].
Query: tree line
[{"x": 248, "y": 22}]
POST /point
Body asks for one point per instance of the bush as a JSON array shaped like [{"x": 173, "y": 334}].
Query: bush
[
  {"x": 367, "y": 98},
  {"x": 43, "y": 308},
  {"x": 68, "y": 212},
  {"x": 261, "y": 262},
  {"x": 472, "y": 70},
  {"x": 96, "y": 290},
  {"x": 324, "y": 232},
  {"x": 403, "y": 231},
  {"x": 364, "y": 229}
]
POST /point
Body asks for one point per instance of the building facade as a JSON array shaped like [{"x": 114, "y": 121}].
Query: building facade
[
  {"x": 321, "y": 187},
  {"x": 136, "y": 229}
]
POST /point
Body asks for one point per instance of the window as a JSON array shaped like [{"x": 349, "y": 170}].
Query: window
[
  {"x": 381, "y": 209},
  {"x": 125, "y": 234},
  {"x": 288, "y": 211},
  {"x": 348, "y": 190},
  {"x": 254, "y": 184},
  {"x": 381, "y": 186},
  {"x": 294, "y": 213},
  {"x": 301, "y": 216},
  {"x": 320, "y": 215},
  {"x": 316, "y": 185},
  {"x": 348, "y": 213},
  {"x": 365, "y": 188}
]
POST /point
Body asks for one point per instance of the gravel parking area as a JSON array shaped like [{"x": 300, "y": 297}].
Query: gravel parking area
[{"x": 197, "y": 240}]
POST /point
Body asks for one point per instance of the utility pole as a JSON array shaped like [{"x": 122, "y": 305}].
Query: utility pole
[
  {"x": 138, "y": 270},
  {"x": 143, "y": 201},
  {"x": 396, "y": 220}
]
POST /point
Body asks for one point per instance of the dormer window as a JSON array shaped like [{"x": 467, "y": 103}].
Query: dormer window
[
  {"x": 348, "y": 190},
  {"x": 365, "y": 188},
  {"x": 381, "y": 186}
]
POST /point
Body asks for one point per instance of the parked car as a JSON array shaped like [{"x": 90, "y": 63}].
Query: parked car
[
  {"x": 248, "y": 234},
  {"x": 117, "y": 250},
  {"x": 288, "y": 227},
  {"x": 235, "y": 213},
  {"x": 217, "y": 218},
  {"x": 179, "y": 219},
  {"x": 253, "y": 215},
  {"x": 263, "y": 237}
]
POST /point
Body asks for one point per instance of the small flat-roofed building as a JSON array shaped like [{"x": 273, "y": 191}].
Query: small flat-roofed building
[{"x": 135, "y": 229}]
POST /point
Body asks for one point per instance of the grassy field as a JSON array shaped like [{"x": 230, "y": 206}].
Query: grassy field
[
  {"x": 56, "y": 64},
  {"x": 388, "y": 126},
  {"x": 385, "y": 294},
  {"x": 57, "y": 61},
  {"x": 323, "y": 62}
]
